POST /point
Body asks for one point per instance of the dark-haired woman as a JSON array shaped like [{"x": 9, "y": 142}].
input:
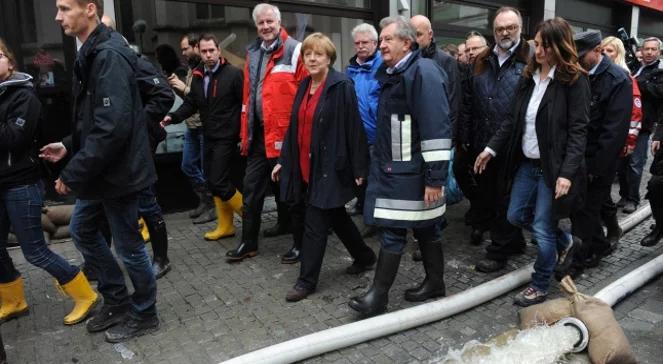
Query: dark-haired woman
[
  {"x": 544, "y": 146},
  {"x": 21, "y": 199},
  {"x": 325, "y": 154}
]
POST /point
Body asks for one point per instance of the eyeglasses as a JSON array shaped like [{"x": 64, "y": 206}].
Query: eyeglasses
[
  {"x": 474, "y": 49},
  {"x": 509, "y": 28}
]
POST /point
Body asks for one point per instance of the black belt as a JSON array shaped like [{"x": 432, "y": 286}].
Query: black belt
[{"x": 534, "y": 162}]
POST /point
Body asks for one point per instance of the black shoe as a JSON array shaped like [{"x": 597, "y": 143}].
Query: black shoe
[
  {"x": 530, "y": 296},
  {"x": 276, "y": 230},
  {"x": 244, "y": 250},
  {"x": 106, "y": 317},
  {"x": 131, "y": 328},
  {"x": 374, "y": 302},
  {"x": 490, "y": 265},
  {"x": 297, "y": 293},
  {"x": 630, "y": 207},
  {"x": 416, "y": 255},
  {"x": 160, "y": 267},
  {"x": 291, "y": 256},
  {"x": 433, "y": 284},
  {"x": 622, "y": 202},
  {"x": 476, "y": 237},
  {"x": 358, "y": 267},
  {"x": 652, "y": 238}
]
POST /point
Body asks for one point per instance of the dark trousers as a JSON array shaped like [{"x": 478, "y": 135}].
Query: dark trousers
[
  {"x": 655, "y": 197},
  {"x": 257, "y": 178},
  {"x": 316, "y": 225},
  {"x": 462, "y": 168},
  {"x": 587, "y": 223},
  {"x": 218, "y": 165},
  {"x": 631, "y": 167},
  {"x": 492, "y": 206},
  {"x": 393, "y": 240},
  {"x": 122, "y": 214}
]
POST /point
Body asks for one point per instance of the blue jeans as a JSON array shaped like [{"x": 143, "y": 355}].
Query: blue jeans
[
  {"x": 122, "y": 215},
  {"x": 192, "y": 156},
  {"x": 530, "y": 208},
  {"x": 630, "y": 169},
  {"x": 20, "y": 207},
  {"x": 148, "y": 207}
]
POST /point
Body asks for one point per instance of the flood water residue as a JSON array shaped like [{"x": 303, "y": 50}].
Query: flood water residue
[{"x": 539, "y": 345}]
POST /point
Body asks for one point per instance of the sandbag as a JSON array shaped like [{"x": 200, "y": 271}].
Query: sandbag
[
  {"x": 47, "y": 225},
  {"x": 60, "y": 215},
  {"x": 62, "y": 232},
  {"x": 546, "y": 313},
  {"x": 607, "y": 342}
]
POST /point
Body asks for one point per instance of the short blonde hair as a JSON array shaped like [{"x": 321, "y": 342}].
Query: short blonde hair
[
  {"x": 618, "y": 45},
  {"x": 319, "y": 41}
]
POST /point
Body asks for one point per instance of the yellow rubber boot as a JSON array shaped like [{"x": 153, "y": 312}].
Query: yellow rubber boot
[
  {"x": 143, "y": 230},
  {"x": 85, "y": 298},
  {"x": 224, "y": 215},
  {"x": 236, "y": 202},
  {"x": 12, "y": 297}
]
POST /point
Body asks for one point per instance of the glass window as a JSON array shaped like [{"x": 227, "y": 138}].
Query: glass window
[
  {"x": 167, "y": 20},
  {"x": 348, "y": 3}
]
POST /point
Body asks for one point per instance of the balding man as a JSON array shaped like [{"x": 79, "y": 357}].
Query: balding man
[
  {"x": 487, "y": 99},
  {"x": 475, "y": 44}
]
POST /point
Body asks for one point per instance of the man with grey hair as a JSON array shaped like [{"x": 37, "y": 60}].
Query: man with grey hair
[
  {"x": 488, "y": 94},
  {"x": 408, "y": 166},
  {"x": 475, "y": 43},
  {"x": 650, "y": 82},
  {"x": 272, "y": 73},
  {"x": 362, "y": 69}
]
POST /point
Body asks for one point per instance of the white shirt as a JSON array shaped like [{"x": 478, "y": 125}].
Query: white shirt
[
  {"x": 530, "y": 143},
  {"x": 502, "y": 56}
]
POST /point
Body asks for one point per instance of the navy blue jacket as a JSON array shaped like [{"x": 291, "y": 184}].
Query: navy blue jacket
[
  {"x": 339, "y": 153},
  {"x": 109, "y": 143},
  {"x": 450, "y": 67},
  {"x": 412, "y": 147},
  {"x": 488, "y": 95},
  {"x": 367, "y": 88},
  {"x": 609, "y": 117}
]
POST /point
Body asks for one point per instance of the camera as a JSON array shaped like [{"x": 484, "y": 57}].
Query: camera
[{"x": 631, "y": 45}]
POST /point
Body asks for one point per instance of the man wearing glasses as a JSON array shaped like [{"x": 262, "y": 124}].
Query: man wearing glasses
[{"x": 487, "y": 100}]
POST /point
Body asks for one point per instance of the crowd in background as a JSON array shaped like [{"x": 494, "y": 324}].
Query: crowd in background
[{"x": 534, "y": 131}]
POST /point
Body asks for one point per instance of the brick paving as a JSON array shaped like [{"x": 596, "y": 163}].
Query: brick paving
[{"x": 212, "y": 311}]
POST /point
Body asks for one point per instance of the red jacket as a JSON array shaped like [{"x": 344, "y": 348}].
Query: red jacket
[
  {"x": 636, "y": 118},
  {"x": 285, "y": 70}
]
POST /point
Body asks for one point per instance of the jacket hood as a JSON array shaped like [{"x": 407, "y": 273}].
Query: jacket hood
[
  {"x": 18, "y": 79},
  {"x": 429, "y": 51}
]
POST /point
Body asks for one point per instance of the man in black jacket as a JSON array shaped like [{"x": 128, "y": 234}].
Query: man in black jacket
[
  {"x": 488, "y": 95},
  {"x": 650, "y": 82},
  {"x": 655, "y": 190},
  {"x": 216, "y": 92},
  {"x": 610, "y": 116},
  {"x": 110, "y": 165}
]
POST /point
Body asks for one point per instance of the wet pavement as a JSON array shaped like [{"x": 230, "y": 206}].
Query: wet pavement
[{"x": 212, "y": 311}]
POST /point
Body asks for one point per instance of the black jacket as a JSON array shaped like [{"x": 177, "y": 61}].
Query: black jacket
[
  {"x": 20, "y": 112},
  {"x": 650, "y": 81},
  {"x": 220, "y": 110},
  {"x": 453, "y": 85},
  {"x": 339, "y": 150},
  {"x": 561, "y": 129},
  {"x": 609, "y": 117},
  {"x": 109, "y": 143},
  {"x": 488, "y": 95}
]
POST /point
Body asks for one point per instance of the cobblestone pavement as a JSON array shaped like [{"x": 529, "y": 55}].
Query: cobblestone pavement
[{"x": 212, "y": 310}]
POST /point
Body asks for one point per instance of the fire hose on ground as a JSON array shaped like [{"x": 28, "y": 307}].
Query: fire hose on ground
[{"x": 357, "y": 332}]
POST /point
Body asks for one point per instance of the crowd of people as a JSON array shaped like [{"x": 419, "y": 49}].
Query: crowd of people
[{"x": 540, "y": 129}]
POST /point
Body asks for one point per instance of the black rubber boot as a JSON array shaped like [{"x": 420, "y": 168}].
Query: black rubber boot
[
  {"x": 159, "y": 240},
  {"x": 433, "y": 284},
  {"x": 614, "y": 231},
  {"x": 374, "y": 302}
]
